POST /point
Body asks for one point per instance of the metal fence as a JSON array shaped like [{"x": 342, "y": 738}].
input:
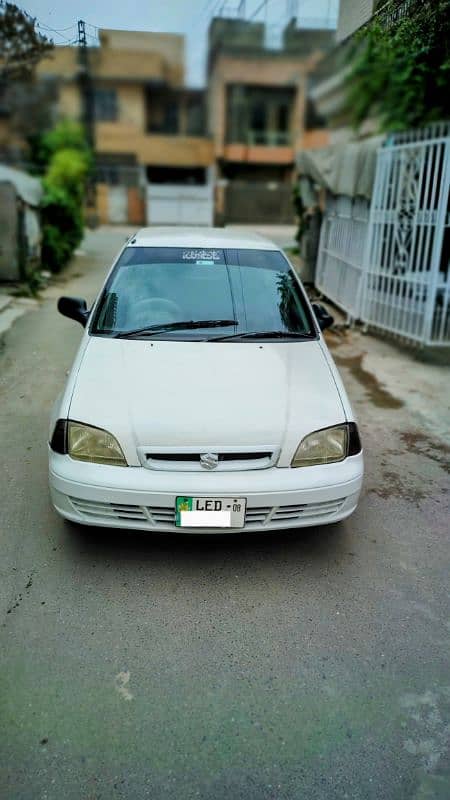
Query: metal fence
[
  {"x": 389, "y": 266},
  {"x": 343, "y": 238}
]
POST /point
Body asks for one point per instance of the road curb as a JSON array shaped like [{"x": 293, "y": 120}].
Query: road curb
[{"x": 11, "y": 308}]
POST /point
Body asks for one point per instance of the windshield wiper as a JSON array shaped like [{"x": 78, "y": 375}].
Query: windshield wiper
[
  {"x": 263, "y": 335},
  {"x": 187, "y": 324}
]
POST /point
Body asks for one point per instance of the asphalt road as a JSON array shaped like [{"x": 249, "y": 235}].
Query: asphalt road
[{"x": 308, "y": 664}]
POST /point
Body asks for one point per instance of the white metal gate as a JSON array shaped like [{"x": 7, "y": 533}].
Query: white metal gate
[
  {"x": 390, "y": 267},
  {"x": 406, "y": 282},
  {"x": 170, "y": 204},
  {"x": 343, "y": 238}
]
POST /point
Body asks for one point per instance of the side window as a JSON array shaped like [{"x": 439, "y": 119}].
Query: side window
[{"x": 105, "y": 105}]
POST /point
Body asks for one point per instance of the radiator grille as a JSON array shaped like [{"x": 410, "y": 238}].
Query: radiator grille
[
  {"x": 164, "y": 516},
  {"x": 228, "y": 460}
]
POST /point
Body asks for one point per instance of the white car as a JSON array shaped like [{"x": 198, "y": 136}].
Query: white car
[{"x": 203, "y": 396}]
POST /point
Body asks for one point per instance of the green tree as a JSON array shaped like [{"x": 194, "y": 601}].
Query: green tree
[
  {"x": 400, "y": 66},
  {"x": 66, "y": 135},
  {"x": 21, "y": 46},
  {"x": 67, "y": 159},
  {"x": 28, "y": 102}
]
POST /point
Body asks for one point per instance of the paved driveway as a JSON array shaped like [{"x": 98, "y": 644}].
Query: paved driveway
[{"x": 308, "y": 664}]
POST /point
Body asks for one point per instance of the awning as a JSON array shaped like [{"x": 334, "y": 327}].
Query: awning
[
  {"x": 345, "y": 169},
  {"x": 29, "y": 189}
]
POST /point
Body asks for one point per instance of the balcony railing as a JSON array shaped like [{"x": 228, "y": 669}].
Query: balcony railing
[{"x": 269, "y": 138}]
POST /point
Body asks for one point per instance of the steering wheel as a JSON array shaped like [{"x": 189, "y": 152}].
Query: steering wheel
[{"x": 155, "y": 310}]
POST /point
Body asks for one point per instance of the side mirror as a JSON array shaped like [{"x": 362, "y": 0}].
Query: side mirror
[
  {"x": 324, "y": 319},
  {"x": 74, "y": 308}
]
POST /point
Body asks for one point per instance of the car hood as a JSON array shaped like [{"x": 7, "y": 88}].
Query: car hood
[{"x": 205, "y": 394}]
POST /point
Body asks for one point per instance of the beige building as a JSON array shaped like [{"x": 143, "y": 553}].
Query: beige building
[
  {"x": 258, "y": 115},
  {"x": 148, "y": 129},
  {"x": 328, "y": 86},
  {"x": 353, "y": 14},
  {"x": 166, "y": 154}
]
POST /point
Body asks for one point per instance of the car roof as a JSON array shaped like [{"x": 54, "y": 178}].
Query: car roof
[{"x": 200, "y": 237}]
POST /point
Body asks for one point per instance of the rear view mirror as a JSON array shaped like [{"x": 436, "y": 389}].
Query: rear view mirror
[
  {"x": 324, "y": 319},
  {"x": 74, "y": 308}
]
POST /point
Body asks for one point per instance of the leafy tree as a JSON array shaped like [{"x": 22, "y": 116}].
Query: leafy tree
[
  {"x": 28, "y": 102},
  {"x": 62, "y": 226},
  {"x": 400, "y": 66},
  {"x": 66, "y": 135},
  {"x": 67, "y": 160},
  {"x": 21, "y": 46}
]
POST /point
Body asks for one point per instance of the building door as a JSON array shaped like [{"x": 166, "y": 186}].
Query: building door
[
  {"x": 118, "y": 204},
  {"x": 251, "y": 202}
]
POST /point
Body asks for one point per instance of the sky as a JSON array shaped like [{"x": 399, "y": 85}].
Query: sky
[{"x": 190, "y": 17}]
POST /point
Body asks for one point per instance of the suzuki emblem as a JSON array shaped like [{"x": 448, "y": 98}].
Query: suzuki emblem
[{"x": 209, "y": 460}]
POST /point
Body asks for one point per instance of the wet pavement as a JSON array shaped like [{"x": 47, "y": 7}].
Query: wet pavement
[{"x": 307, "y": 664}]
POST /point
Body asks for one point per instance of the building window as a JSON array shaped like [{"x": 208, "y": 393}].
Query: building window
[
  {"x": 105, "y": 105},
  {"x": 163, "y": 112},
  {"x": 186, "y": 176},
  {"x": 118, "y": 169},
  {"x": 258, "y": 122},
  {"x": 195, "y": 115},
  {"x": 283, "y": 118},
  {"x": 259, "y": 115}
]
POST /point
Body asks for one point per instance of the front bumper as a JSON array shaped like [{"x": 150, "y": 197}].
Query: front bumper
[{"x": 143, "y": 499}]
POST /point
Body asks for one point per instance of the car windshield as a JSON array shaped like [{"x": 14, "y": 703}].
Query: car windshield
[{"x": 155, "y": 291}]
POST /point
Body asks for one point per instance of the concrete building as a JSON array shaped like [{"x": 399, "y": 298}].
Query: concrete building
[
  {"x": 352, "y": 15},
  {"x": 327, "y": 90},
  {"x": 258, "y": 115},
  {"x": 154, "y": 160},
  {"x": 168, "y": 154}
]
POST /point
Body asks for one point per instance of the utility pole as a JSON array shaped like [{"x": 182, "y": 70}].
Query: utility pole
[
  {"x": 292, "y": 9},
  {"x": 87, "y": 99},
  {"x": 241, "y": 9}
]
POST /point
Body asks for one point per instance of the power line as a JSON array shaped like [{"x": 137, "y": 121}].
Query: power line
[
  {"x": 52, "y": 30},
  {"x": 42, "y": 25},
  {"x": 205, "y": 7},
  {"x": 257, "y": 10},
  {"x": 60, "y": 30},
  {"x": 198, "y": 19}
]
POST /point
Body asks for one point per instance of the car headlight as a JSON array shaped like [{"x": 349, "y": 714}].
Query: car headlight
[
  {"x": 86, "y": 443},
  {"x": 328, "y": 446}
]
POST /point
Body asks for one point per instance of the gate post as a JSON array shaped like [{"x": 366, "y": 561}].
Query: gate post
[{"x": 437, "y": 247}]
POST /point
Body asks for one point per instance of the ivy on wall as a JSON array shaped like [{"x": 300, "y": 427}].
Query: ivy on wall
[{"x": 400, "y": 67}]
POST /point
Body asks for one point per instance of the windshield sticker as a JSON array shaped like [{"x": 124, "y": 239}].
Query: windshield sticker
[{"x": 202, "y": 256}]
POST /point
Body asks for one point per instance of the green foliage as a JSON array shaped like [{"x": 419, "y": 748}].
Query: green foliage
[
  {"x": 400, "y": 69},
  {"x": 21, "y": 46},
  {"x": 68, "y": 169},
  {"x": 62, "y": 228},
  {"x": 68, "y": 165},
  {"x": 66, "y": 135}
]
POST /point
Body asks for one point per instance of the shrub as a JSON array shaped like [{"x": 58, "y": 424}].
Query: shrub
[
  {"x": 68, "y": 165},
  {"x": 66, "y": 135},
  {"x": 400, "y": 70},
  {"x": 62, "y": 229},
  {"x": 68, "y": 169}
]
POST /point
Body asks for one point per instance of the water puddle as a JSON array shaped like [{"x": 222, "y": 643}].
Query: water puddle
[{"x": 377, "y": 393}]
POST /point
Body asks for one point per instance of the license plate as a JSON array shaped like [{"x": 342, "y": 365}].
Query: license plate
[{"x": 210, "y": 512}]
